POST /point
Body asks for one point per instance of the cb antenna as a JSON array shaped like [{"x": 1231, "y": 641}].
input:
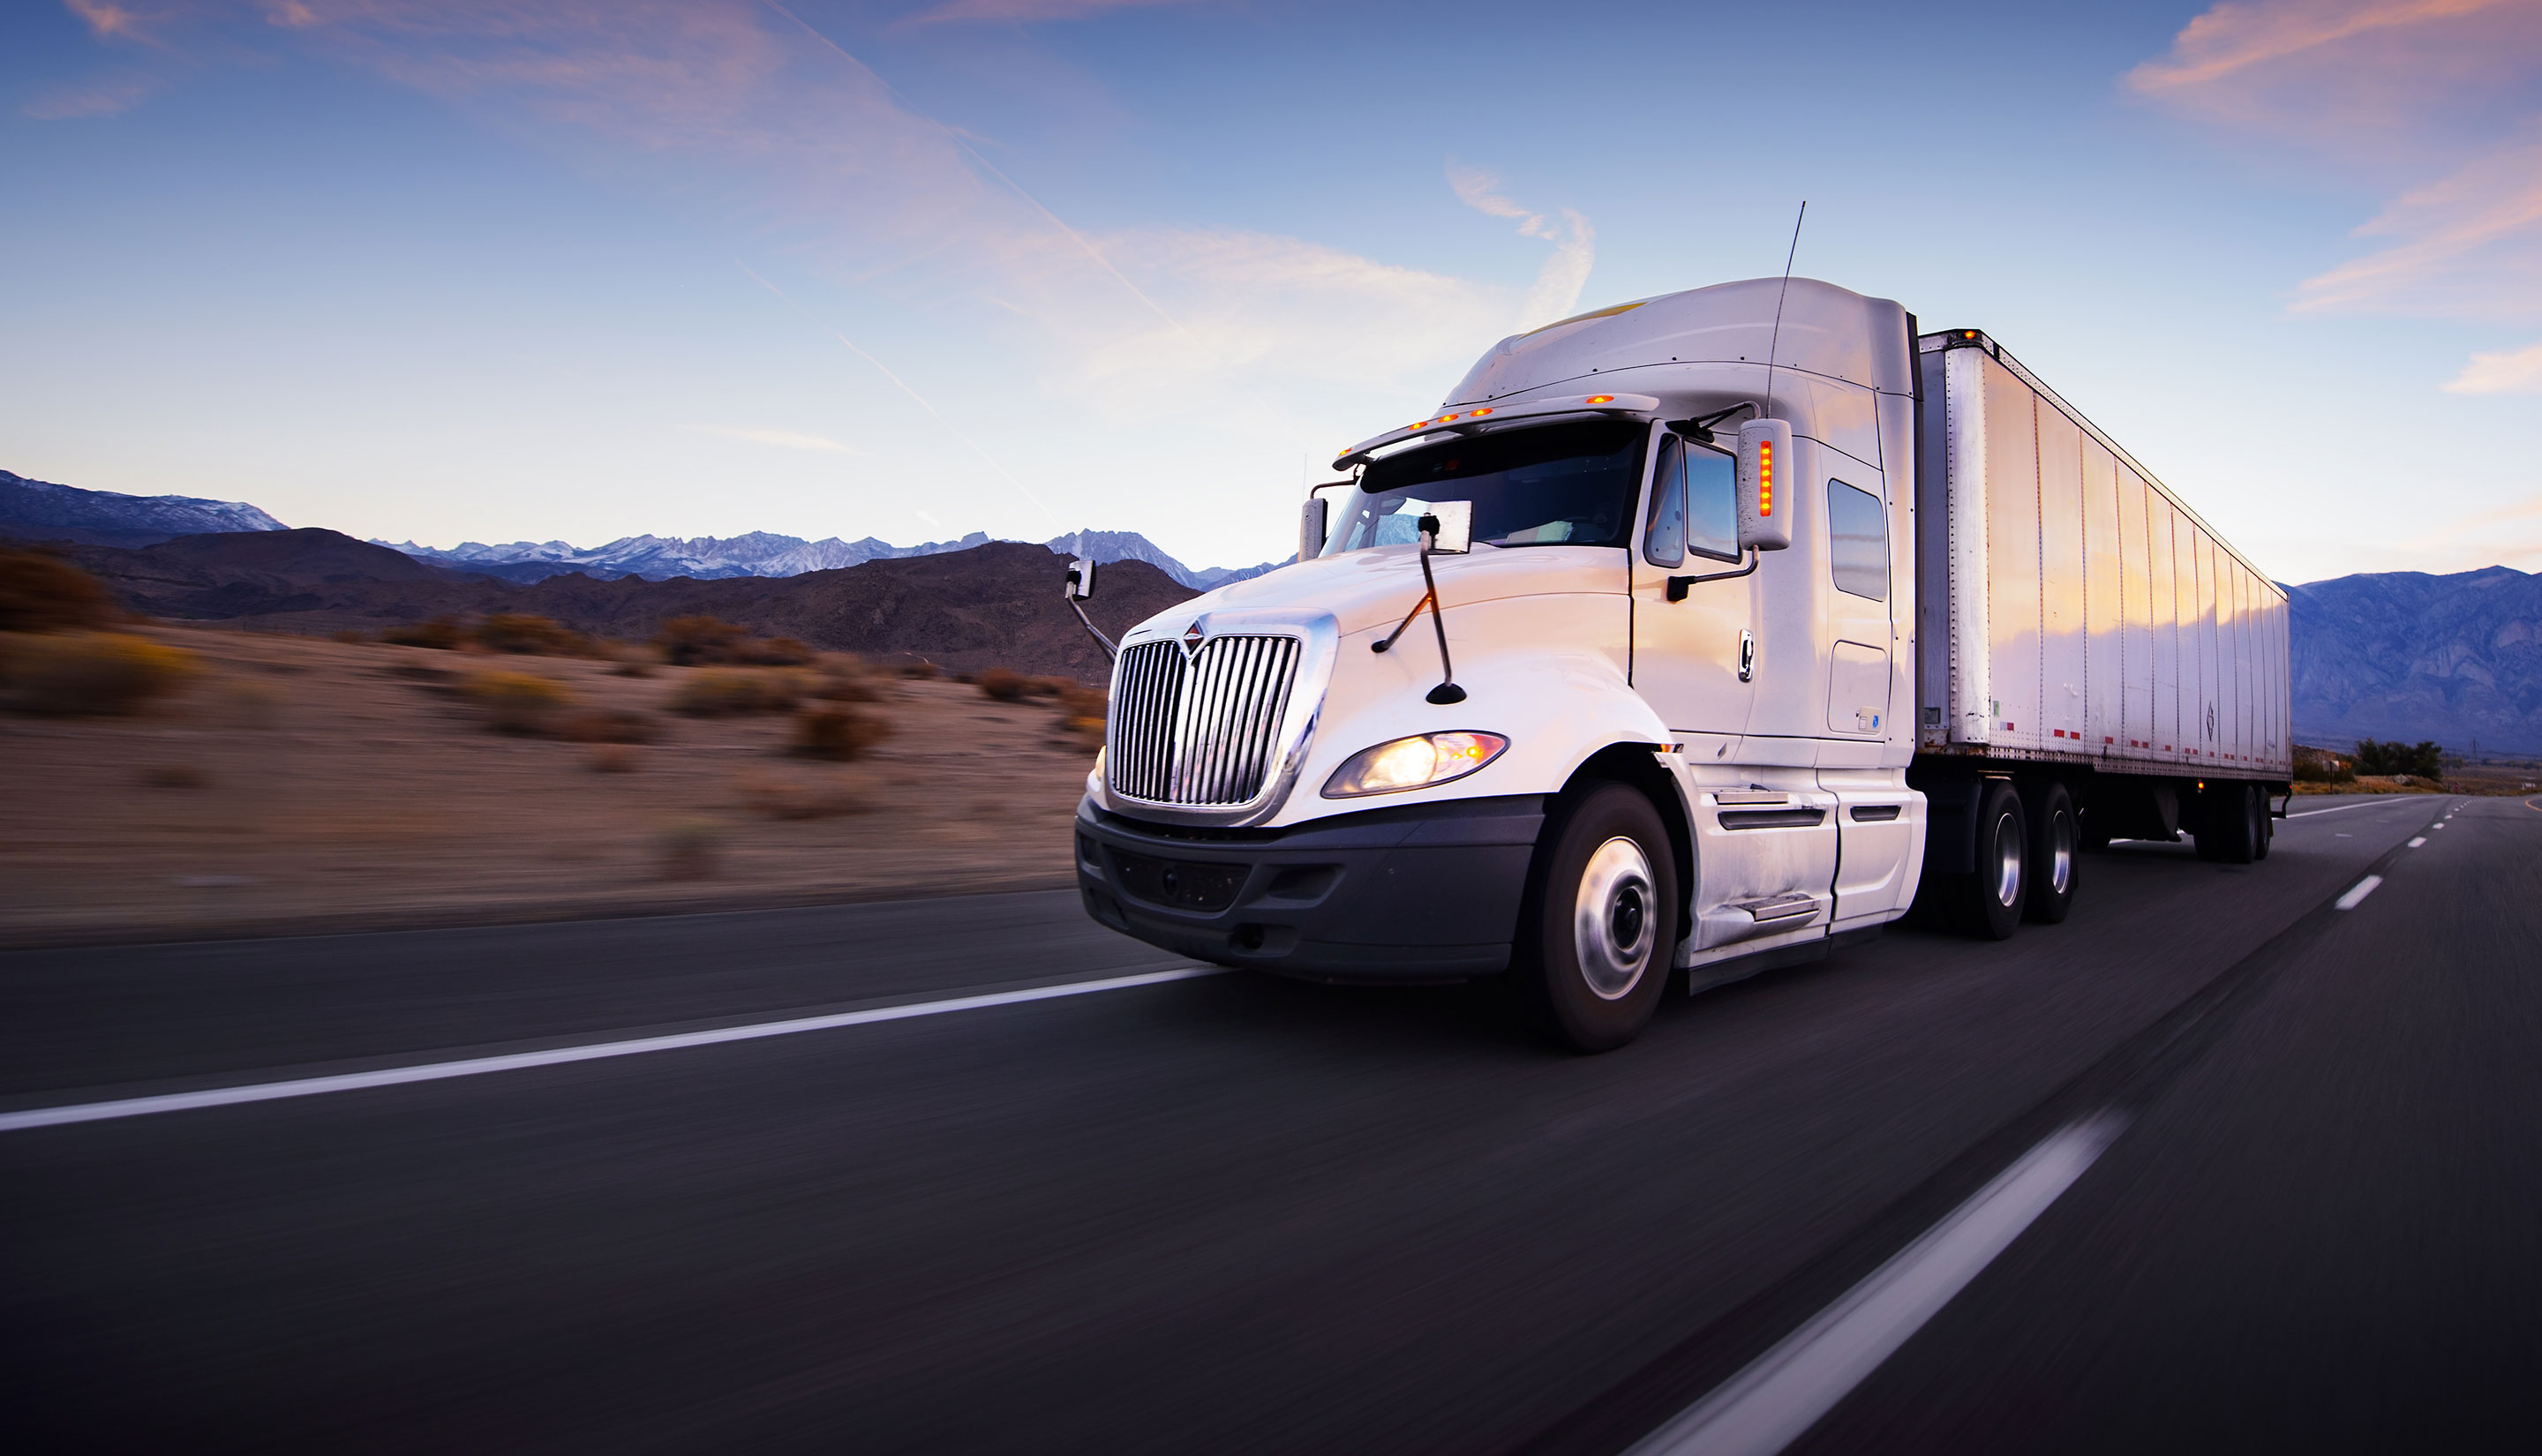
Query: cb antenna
[{"x": 1776, "y": 342}]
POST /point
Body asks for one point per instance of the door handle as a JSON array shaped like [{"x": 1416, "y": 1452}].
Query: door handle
[{"x": 1746, "y": 655}]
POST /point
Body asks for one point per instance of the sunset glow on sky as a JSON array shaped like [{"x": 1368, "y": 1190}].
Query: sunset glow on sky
[{"x": 498, "y": 269}]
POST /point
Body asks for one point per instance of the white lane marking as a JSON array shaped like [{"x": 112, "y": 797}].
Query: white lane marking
[
  {"x": 474, "y": 1067},
  {"x": 2441, "y": 824},
  {"x": 2421, "y": 840},
  {"x": 2357, "y": 892},
  {"x": 1784, "y": 1391},
  {"x": 2380, "y": 802}
]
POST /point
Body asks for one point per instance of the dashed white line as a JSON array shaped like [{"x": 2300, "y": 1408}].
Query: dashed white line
[
  {"x": 2421, "y": 840},
  {"x": 1784, "y": 1391},
  {"x": 2382, "y": 802},
  {"x": 474, "y": 1067},
  {"x": 2357, "y": 892}
]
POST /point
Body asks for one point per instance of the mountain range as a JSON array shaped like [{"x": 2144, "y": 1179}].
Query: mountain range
[
  {"x": 2394, "y": 655},
  {"x": 40, "y": 510}
]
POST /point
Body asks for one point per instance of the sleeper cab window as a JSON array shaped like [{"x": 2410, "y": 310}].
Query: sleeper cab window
[
  {"x": 1858, "y": 542},
  {"x": 1695, "y": 505}
]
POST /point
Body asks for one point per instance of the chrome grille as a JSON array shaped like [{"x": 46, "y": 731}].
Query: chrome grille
[{"x": 1202, "y": 731}]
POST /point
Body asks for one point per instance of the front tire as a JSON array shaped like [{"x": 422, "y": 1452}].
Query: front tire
[{"x": 1598, "y": 934}]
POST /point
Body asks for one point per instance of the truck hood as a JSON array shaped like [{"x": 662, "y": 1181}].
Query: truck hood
[{"x": 1375, "y": 586}]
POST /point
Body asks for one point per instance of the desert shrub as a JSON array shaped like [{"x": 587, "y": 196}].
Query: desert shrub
[
  {"x": 1004, "y": 685},
  {"x": 846, "y": 679},
  {"x": 772, "y": 652},
  {"x": 920, "y": 671},
  {"x": 601, "y": 725},
  {"x": 531, "y": 636},
  {"x": 1081, "y": 711},
  {"x": 716, "y": 693},
  {"x": 2422, "y": 759},
  {"x": 688, "y": 641},
  {"x": 1048, "y": 686},
  {"x": 442, "y": 633},
  {"x": 838, "y": 733},
  {"x": 40, "y": 592},
  {"x": 517, "y": 703},
  {"x": 93, "y": 673}
]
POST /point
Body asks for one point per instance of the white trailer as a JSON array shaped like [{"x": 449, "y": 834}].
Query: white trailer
[{"x": 1699, "y": 633}]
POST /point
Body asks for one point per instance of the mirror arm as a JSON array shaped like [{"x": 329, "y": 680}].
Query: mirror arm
[
  {"x": 1109, "y": 650},
  {"x": 1676, "y": 585},
  {"x": 1446, "y": 691}
]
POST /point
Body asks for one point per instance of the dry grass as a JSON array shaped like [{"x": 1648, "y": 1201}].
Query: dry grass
[
  {"x": 40, "y": 592},
  {"x": 359, "y": 798},
  {"x": 90, "y": 673},
  {"x": 838, "y": 733},
  {"x": 517, "y": 703},
  {"x": 721, "y": 693}
]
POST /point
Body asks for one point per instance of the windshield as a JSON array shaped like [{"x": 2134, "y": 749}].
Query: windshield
[{"x": 1562, "y": 484}]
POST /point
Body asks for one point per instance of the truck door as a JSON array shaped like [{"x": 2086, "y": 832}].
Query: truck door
[{"x": 1693, "y": 657}]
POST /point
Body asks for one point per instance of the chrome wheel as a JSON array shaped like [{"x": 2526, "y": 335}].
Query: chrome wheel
[
  {"x": 2007, "y": 869},
  {"x": 1611, "y": 921},
  {"x": 2060, "y": 855}
]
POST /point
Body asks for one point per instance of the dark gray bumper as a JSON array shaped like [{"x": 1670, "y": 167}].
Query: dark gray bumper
[{"x": 1422, "y": 893}]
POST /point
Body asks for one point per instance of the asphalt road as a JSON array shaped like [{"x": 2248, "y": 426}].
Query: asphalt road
[{"x": 1238, "y": 1214}]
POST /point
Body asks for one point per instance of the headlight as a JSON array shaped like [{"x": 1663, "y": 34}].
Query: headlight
[{"x": 1413, "y": 762}]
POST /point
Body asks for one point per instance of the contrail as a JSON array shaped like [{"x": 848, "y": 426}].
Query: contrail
[{"x": 923, "y": 402}]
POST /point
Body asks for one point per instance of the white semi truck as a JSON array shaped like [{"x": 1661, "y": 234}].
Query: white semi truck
[{"x": 1695, "y": 635}]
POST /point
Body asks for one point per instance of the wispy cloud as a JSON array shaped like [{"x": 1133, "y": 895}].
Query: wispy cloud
[
  {"x": 2436, "y": 94},
  {"x": 2512, "y": 372},
  {"x": 1574, "y": 243},
  {"x": 110, "y": 95},
  {"x": 1023, "y": 12},
  {"x": 784, "y": 439},
  {"x": 110, "y": 22}
]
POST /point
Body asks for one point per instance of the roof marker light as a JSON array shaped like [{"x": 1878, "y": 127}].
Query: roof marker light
[
  {"x": 1599, "y": 399},
  {"x": 1479, "y": 413}
]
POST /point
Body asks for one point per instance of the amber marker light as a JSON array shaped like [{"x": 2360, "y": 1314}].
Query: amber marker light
[
  {"x": 1765, "y": 479},
  {"x": 1479, "y": 413},
  {"x": 1600, "y": 399}
]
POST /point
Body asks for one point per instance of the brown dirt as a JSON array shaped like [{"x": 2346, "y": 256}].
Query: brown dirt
[{"x": 300, "y": 785}]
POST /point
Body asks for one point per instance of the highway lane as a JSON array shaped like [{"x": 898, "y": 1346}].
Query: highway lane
[{"x": 1230, "y": 1214}]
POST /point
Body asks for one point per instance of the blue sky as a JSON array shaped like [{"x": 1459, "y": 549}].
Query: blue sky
[{"x": 445, "y": 269}]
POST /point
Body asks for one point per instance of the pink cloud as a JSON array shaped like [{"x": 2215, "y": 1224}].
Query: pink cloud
[
  {"x": 2434, "y": 95},
  {"x": 107, "y": 96},
  {"x": 1023, "y": 12}
]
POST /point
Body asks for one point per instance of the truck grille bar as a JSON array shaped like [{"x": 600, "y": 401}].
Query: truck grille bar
[{"x": 1202, "y": 730}]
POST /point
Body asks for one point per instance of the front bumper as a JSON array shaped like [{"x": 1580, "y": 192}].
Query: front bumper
[{"x": 1422, "y": 893}]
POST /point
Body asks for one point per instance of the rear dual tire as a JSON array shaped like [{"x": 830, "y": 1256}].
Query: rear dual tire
[{"x": 2236, "y": 828}]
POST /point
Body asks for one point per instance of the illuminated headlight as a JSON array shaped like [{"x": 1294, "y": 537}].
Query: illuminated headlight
[{"x": 1413, "y": 762}]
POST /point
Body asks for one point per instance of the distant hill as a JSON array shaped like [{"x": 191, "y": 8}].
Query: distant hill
[
  {"x": 40, "y": 510},
  {"x": 2402, "y": 654},
  {"x": 996, "y": 605}
]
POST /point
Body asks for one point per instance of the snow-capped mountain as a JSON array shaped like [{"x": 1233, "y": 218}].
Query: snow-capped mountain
[
  {"x": 40, "y": 510},
  {"x": 767, "y": 554},
  {"x": 661, "y": 557}
]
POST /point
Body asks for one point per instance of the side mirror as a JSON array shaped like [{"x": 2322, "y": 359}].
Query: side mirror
[
  {"x": 1311, "y": 528},
  {"x": 1080, "y": 586},
  {"x": 1764, "y": 485},
  {"x": 1450, "y": 525}
]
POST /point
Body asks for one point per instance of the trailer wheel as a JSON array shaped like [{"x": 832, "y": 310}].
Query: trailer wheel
[
  {"x": 2055, "y": 859},
  {"x": 1988, "y": 904},
  {"x": 2230, "y": 830},
  {"x": 1596, "y": 935},
  {"x": 2268, "y": 825}
]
